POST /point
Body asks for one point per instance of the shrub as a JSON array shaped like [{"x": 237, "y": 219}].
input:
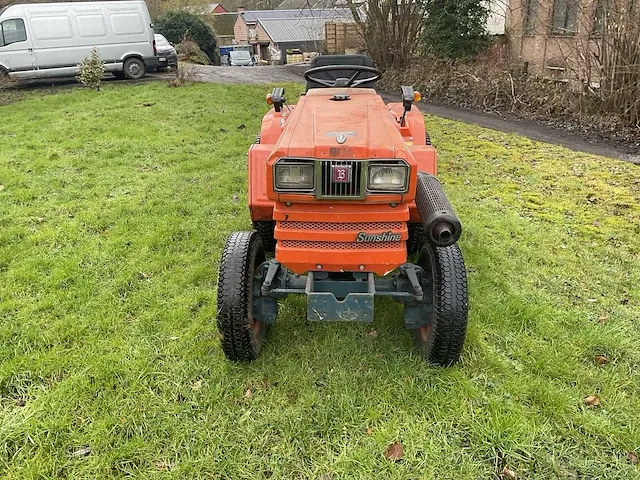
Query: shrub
[
  {"x": 455, "y": 28},
  {"x": 91, "y": 71},
  {"x": 189, "y": 51},
  {"x": 492, "y": 84},
  {"x": 177, "y": 25}
]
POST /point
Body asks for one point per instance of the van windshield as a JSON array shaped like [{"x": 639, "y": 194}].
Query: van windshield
[{"x": 240, "y": 55}]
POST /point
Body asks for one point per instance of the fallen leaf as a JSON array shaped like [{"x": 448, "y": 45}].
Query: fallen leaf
[
  {"x": 242, "y": 126},
  {"x": 248, "y": 393},
  {"x": 633, "y": 458},
  {"x": 143, "y": 276},
  {"x": 21, "y": 402},
  {"x": 507, "y": 473},
  {"x": 235, "y": 198},
  {"x": 1, "y": 187},
  {"x": 173, "y": 339},
  {"x": 325, "y": 476},
  {"x": 197, "y": 385},
  {"x": 372, "y": 334},
  {"x": 592, "y": 401},
  {"x": 394, "y": 452},
  {"x": 81, "y": 452},
  {"x": 164, "y": 466},
  {"x": 148, "y": 104},
  {"x": 603, "y": 318},
  {"x": 368, "y": 431},
  {"x": 601, "y": 359}
]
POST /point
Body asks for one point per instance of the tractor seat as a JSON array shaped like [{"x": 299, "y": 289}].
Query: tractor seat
[{"x": 346, "y": 60}]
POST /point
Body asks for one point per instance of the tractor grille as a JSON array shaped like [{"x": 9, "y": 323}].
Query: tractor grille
[
  {"x": 311, "y": 245},
  {"x": 341, "y": 227},
  {"x": 351, "y": 189}
]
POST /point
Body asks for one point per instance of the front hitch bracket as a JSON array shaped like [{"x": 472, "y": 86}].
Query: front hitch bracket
[{"x": 344, "y": 296}]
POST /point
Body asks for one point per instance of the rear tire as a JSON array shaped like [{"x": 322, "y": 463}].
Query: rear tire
[
  {"x": 134, "y": 68},
  {"x": 440, "y": 341},
  {"x": 265, "y": 230},
  {"x": 416, "y": 238},
  {"x": 242, "y": 335}
]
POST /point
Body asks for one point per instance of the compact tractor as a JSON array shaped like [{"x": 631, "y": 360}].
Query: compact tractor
[{"x": 343, "y": 195}]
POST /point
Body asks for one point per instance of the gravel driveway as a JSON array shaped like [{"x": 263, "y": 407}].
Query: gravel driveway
[{"x": 247, "y": 75}]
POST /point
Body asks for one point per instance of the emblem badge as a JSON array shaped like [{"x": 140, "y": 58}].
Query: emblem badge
[
  {"x": 341, "y": 173},
  {"x": 341, "y": 137}
]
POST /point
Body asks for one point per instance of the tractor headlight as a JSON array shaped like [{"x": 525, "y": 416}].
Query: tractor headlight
[
  {"x": 294, "y": 176},
  {"x": 388, "y": 178}
]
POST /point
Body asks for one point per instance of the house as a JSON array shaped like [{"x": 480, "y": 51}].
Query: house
[
  {"x": 555, "y": 37},
  {"x": 272, "y": 32},
  {"x": 207, "y": 9}
]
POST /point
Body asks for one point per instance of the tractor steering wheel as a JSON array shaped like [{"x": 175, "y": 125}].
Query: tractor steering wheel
[{"x": 342, "y": 81}]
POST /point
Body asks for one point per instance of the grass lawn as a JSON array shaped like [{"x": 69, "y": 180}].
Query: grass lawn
[{"x": 114, "y": 208}]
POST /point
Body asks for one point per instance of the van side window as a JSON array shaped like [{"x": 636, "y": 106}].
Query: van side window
[{"x": 12, "y": 31}]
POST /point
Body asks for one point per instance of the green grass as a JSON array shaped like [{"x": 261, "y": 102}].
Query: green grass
[{"x": 113, "y": 215}]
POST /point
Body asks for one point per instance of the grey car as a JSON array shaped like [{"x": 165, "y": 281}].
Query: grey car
[{"x": 167, "y": 55}]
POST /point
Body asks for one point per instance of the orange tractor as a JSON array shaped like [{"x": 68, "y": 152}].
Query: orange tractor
[{"x": 343, "y": 192}]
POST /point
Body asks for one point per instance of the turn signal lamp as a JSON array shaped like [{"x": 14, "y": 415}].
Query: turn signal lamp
[
  {"x": 269, "y": 99},
  {"x": 416, "y": 96}
]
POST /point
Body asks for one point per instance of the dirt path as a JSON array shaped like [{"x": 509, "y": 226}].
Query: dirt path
[{"x": 532, "y": 130}]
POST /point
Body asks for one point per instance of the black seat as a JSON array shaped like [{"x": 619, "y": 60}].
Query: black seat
[{"x": 346, "y": 60}]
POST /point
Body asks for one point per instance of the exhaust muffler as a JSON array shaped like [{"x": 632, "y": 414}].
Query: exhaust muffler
[{"x": 441, "y": 225}]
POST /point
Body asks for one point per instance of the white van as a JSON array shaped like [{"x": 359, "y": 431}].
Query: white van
[{"x": 42, "y": 40}]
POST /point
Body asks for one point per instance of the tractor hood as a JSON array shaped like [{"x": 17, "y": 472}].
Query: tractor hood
[{"x": 340, "y": 123}]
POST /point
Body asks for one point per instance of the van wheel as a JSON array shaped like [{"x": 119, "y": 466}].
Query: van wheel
[{"x": 134, "y": 68}]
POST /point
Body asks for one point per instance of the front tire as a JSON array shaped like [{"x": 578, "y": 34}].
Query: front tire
[
  {"x": 242, "y": 335},
  {"x": 440, "y": 341},
  {"x": 134, "y": 68}
]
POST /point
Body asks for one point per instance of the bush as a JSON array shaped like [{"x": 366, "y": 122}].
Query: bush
[
  {"x": 455, "y": 28},
  {"x": 177, "y": 25},
  {"x": 490, "y": 83},
  {"x": 189, "y": 51},
  {"x": 91, "y": 71}
]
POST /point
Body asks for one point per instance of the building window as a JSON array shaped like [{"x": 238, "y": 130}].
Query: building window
[
  {"x": 598, "y": 23},
  {"x": 530, "y": 12},
  {"x": 565, "y": 13}
]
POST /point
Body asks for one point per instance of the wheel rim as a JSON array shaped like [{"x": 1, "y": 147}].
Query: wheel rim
[
  {"x": 425, "y": 332},
  {"x": 256, "y": 327},
  {"x": 134, "y": 69}
]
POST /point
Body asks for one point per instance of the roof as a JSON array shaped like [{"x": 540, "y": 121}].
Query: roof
[
  {"x": 305, "y": 29},
  {"x": 253, "y": 16}
]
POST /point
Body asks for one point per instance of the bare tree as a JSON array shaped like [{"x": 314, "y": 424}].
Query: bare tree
[{"x": 390, "y": 28}]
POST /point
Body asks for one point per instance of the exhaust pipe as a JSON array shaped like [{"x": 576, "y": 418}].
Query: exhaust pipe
[{"x": 441, "y": 225}]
